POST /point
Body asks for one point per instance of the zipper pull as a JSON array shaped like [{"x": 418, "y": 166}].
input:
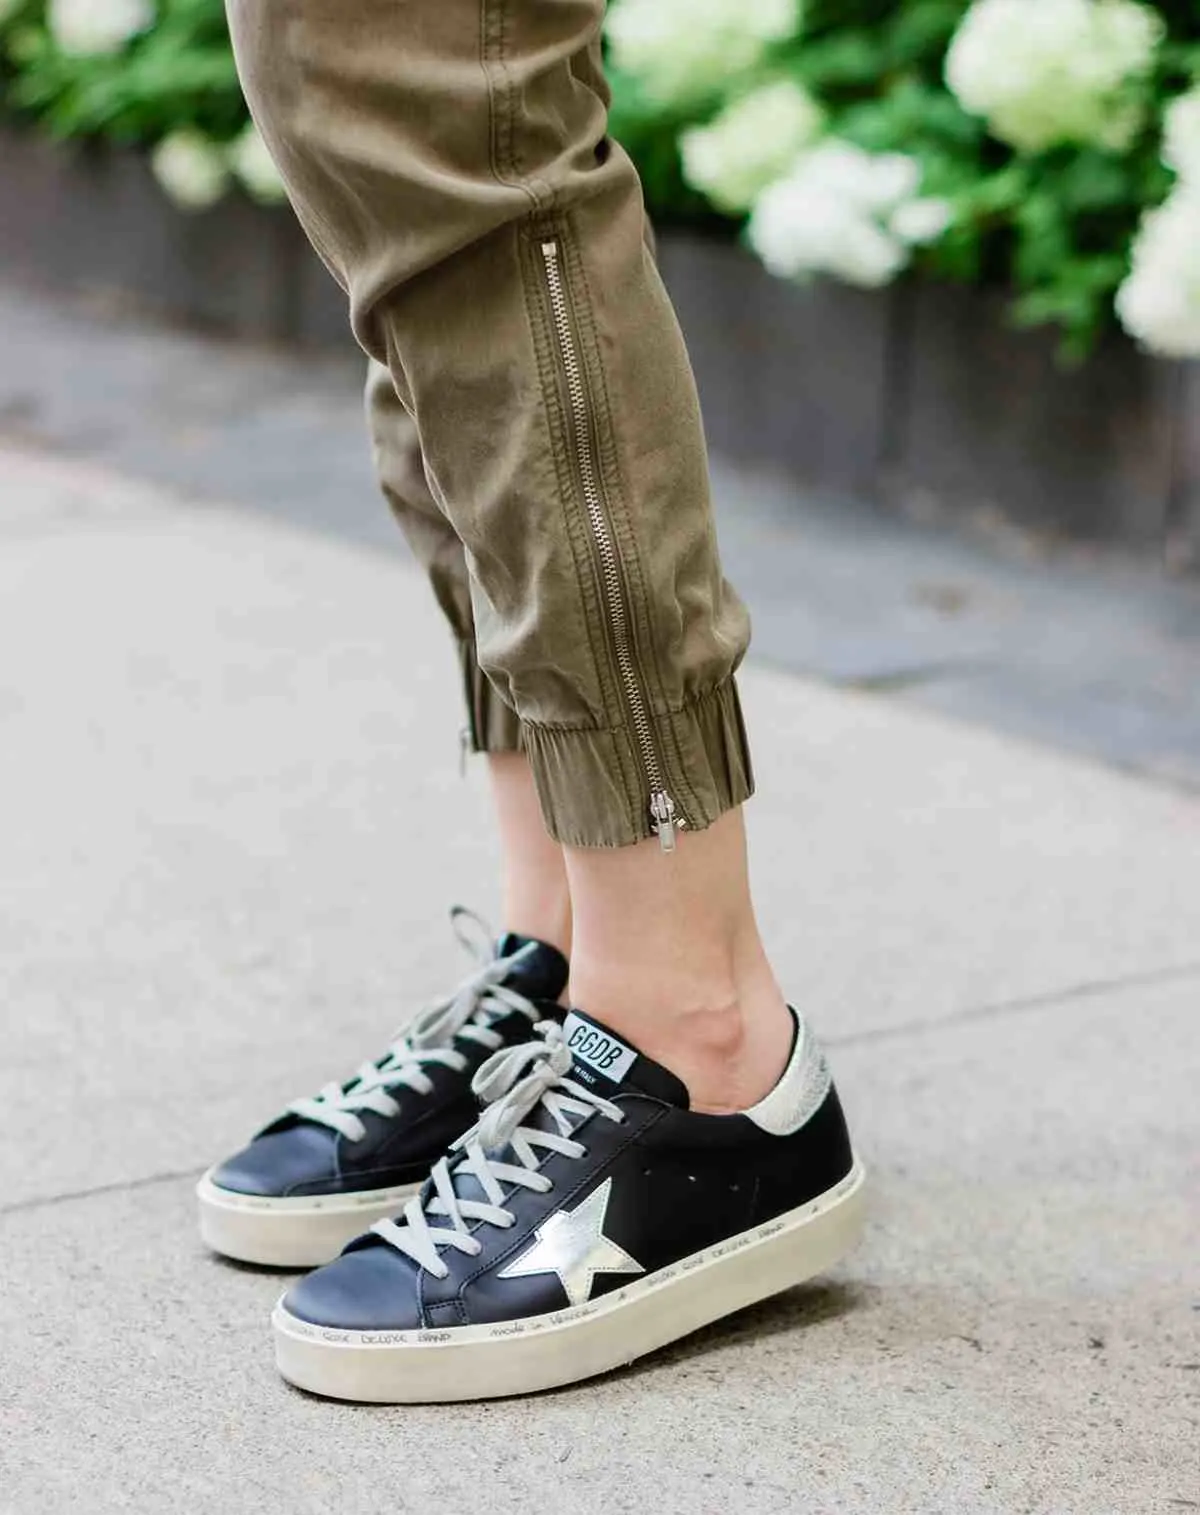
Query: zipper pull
[
  {"x": 464, "y": 750},
  {"x": 662, "y": 812}
]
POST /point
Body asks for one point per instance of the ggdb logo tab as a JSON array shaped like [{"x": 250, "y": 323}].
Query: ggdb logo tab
[{"x": 598, "y": 1049}]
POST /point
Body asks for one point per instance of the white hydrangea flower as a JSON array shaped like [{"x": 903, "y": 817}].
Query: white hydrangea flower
[
  {"x": 255, "y": 168},
  {"x": 84, "y": 27},
  {"x": 834, "y": 214},
  {"x": 920, "y": 221},
  {"x": 751, "y": 142},
  {"x": 886, "y": 179},
  {"x": 191, "y": 168},
  {"x": 1159, "y": 302},
  {"x": 1181, "y": 136},
  {"x": 1042, "y": 72},
  {"x": 683, "y": 50},
  {"x": 798, "y": 233}
]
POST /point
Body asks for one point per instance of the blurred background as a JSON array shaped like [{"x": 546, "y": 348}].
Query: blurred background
[{"x": 938, "y": 265}]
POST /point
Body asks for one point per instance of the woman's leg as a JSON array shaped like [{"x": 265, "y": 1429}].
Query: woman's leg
[
  {"x": 533, "y": 875},
  {"x": 667, "y": 954},
  {"x": 691, "y": 977},
  {"x": 678, "y": 1151},
  {"x": 451, "y": 164},
  {"x": 692, "y": 985}
]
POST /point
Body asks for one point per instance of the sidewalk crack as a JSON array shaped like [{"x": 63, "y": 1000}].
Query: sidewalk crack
[
  {"x": 44, "y": 1201},
  {"x": 1089, "y": 989}
]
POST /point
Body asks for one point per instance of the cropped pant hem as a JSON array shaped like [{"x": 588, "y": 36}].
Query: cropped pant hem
[{"x": 583, "y": 775}]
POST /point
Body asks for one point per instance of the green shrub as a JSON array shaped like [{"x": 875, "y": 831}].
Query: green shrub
[{"x": 1018, "y": 143}]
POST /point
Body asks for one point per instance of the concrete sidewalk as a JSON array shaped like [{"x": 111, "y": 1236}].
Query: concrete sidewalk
[{"x": 230, "y": 816}]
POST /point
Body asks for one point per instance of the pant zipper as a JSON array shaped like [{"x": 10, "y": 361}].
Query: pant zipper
[{"x": 664, "y": 817}]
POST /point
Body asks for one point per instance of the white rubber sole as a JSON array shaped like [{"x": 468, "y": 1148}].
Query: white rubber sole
[
  {"x": 546, "y": 1351},
  {"x": 291, "y": 1233}
]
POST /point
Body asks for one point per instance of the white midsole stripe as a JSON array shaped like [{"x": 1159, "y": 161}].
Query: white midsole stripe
[
  {"x": 294, "y": 1232},
  {"x": 500, "y": 1332},
  {"x": 359, "y": 1199}
]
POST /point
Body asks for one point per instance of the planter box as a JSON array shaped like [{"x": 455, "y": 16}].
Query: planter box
[
  {"x": 87, "y": 220},
  {"x": 921, "y": 396},
  {"x": 993, "y": 422},
  {"x": 925, "y": 397},
  {"x": 794, "y": 378}
]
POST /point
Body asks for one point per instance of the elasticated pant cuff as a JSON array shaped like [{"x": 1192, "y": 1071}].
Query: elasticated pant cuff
[{"x": 592, "y": 783}]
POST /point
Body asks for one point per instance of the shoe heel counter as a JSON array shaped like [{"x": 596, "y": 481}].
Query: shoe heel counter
[
  {"x": 828, "y": 1130},
  {"x": 802, "y": 1087},
  {"x": 832, "y": 1135},
  {"x": 808, "y": 1162}
]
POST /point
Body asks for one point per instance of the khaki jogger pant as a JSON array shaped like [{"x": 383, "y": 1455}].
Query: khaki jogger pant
[{"x": 449, "y": 161}]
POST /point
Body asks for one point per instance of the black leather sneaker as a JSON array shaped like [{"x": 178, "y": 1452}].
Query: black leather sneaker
[
  {"x": 333, "y": 1163},
  {"x": 589, "y": 1217}
]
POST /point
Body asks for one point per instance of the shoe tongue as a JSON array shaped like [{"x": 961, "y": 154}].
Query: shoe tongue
[
  {"x": 540, "y": 971},
  {"x": 606, "y": 1063}
]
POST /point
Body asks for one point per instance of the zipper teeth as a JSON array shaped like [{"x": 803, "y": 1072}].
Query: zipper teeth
[{"x": 614, "y": 589}]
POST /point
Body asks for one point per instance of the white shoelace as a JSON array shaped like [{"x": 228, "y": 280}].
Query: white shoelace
[
  {"x": 426, "y": 1042},
  {"x": 514, "y": 1082}
]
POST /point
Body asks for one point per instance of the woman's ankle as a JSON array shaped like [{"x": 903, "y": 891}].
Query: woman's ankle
[
  {"x": 729, "y": 1048},
  {"x": 545, "y": 918},
  {"x": 535, "y": 892}
]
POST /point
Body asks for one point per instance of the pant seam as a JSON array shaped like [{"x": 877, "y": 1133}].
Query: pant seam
[
  {"x": 503, "y": 160},
  {"x": 490, "y": 718},
  {"x": 493, "y": 58}
]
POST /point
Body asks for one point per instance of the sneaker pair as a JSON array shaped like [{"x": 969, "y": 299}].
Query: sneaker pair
[{"x": 586, "y": 1217}]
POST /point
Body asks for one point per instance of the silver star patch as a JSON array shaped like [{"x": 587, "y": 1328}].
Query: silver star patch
[{"x": 572, "y": 1244}]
